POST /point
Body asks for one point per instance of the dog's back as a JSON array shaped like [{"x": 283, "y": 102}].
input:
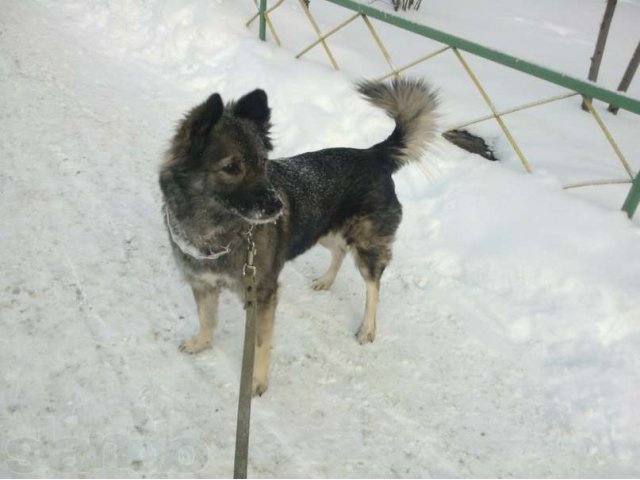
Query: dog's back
[
  {"x": 331, "y": 190},
  {"x": 326, "y": 189}
]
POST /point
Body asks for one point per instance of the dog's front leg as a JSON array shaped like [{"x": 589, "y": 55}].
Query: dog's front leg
[
  {"x": 207, "y": 301},
  {"x": 264, "y": 333}
]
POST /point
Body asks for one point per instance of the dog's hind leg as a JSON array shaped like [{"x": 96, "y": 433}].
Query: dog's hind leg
[
  {"x": 371, "y": 263},
  {"x": 338, "y": 248},
  {"x": 207, "y": 301},
  {"x": 264, "y": 334},
  {"x": 367, "y": 331}
]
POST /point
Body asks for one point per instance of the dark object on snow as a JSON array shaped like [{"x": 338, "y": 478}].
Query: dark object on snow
[
  {"x": 600, "y": 44},
  {"x": 406, "y": 4},
  {"x": 628, "y": 76},
  {"x": 470, "y": 143}
]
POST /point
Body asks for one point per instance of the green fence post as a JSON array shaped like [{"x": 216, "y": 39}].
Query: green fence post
[
  {"x": 633, "y": 198},
  {"x": 263, "y": 20}
]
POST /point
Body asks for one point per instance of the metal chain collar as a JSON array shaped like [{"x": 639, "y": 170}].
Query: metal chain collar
[{"x": 249, "y": 269}]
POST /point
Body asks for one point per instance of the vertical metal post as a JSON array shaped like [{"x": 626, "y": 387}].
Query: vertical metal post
[
  {"x": 596, "y": 59},
  {"x": 263, "y": 20},
  {"x": 628, "y": 75},
  {"x": 633, "y": 198}
]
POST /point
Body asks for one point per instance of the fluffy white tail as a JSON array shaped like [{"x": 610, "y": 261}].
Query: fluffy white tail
[{"x": 412, "y": 104}]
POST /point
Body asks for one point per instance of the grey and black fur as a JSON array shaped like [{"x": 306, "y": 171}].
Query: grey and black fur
[{"x": 217, "y": 181}]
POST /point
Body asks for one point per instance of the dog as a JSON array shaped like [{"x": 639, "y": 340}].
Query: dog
[{"x": 218, "y": 183}]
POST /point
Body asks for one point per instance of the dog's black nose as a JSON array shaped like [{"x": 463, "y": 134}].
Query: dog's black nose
[{"x": 273, "y": 206}]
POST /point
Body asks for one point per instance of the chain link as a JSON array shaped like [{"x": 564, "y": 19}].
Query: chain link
[{"x": 249, "y": 268}]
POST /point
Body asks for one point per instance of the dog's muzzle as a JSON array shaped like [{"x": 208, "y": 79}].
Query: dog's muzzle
[{"x": 263, "y": 208}]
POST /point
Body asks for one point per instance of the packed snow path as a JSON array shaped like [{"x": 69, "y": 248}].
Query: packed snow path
[{"x": 509, "y": 322}]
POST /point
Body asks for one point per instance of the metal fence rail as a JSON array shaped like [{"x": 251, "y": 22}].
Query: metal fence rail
[{"x": 458, "y": 44}]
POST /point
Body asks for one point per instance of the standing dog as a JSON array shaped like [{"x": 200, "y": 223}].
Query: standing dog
[{"x": 217, "y": 183}]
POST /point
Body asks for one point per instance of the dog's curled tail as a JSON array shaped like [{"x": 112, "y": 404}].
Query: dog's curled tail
[{"x": 412, "y": 104}]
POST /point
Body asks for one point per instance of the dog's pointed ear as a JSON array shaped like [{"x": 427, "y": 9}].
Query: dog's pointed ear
[
  {"x": 205, "y": 115},
  {"x": 203, "y": 118},
  {"x": 253, "y": 106}
]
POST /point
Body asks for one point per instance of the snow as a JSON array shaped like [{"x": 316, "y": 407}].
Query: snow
[{"x": 509, "y": 321}]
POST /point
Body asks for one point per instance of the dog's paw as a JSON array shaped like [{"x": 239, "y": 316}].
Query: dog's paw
[
  {"x": 194, "y": 345},
  {"x": 321, "y": 284},
  {"x": 259, "y": 386},
  {"x": 365, "y": 335}
]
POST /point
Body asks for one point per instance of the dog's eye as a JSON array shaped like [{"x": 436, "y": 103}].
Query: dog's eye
[{"x": 232, "y": 168}]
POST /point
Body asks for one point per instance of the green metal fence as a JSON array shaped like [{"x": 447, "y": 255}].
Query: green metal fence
[{"x": 458, "y": 45}]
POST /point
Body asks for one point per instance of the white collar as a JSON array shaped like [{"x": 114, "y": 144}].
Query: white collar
[{"x": 188, "y": 248}]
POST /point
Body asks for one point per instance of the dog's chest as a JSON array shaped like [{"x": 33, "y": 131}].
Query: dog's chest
[
  {"x": 206, "y": 278},
  {"x": 218, "y": 280}
]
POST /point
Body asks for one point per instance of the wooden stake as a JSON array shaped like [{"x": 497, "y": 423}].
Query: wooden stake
[
  {"x": 628, "y": 76},
  {"x": 600, "y": 44}
]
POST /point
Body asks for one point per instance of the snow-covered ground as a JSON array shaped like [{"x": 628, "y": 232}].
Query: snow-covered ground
[{"x": 509, "y": 323}]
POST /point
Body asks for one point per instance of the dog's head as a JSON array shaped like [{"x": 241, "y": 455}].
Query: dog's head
[{"x": 218, "y": 156}]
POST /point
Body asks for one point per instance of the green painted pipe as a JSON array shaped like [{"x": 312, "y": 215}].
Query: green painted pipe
[
  {"x": 263, "y": 20},
  {"x": 586, "y": 88},
  {"x": 633, "y": 198}
]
